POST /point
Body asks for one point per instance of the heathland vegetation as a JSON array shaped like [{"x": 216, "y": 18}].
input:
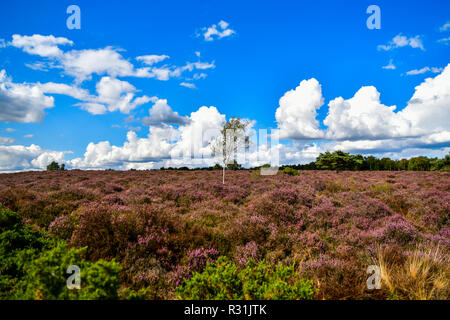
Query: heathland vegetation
[{"x": 185, "y": 235}]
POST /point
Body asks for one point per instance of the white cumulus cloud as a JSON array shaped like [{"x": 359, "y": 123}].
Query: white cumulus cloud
[
  {"x": 22, "y": 102},
  {"x": 296, "y": 115},
  {"x": 363, "y": 123},
  {"x": 112, "y": 95},
  {"x": 364, "y": 116},
  {"x": 429, "y": 107},
  {"x": 44, "y": 46},
  {"x": 161, "y": 113},
  {"x": 164, "y": 143},
  {"x": 33, "y": 157}
]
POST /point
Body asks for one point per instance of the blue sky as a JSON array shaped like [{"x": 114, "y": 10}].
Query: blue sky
[{"x": 271, "y": 48}]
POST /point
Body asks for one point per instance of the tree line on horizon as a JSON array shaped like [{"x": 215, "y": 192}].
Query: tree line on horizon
[
  {"x": 340, "y": 161},
  {"x": 233, "y": 136},
  {"x": 337, "y": 160}
]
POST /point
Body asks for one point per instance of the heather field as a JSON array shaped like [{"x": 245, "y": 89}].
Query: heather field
[{"x": 162, "y": 229}]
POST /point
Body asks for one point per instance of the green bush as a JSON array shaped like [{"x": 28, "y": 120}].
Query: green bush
[
  {"x": 33, "y": 266},
  {"x": 259, "y": 281},
  {"x": 55, "y": 166},
  {"x": 145, "y": 293},
  {"x": 290, "y": 171}
]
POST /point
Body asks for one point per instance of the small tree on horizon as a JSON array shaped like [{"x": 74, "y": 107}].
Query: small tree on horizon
[
  {"x": 54, "y": 166},
  {"x": 232, "y": 138}
]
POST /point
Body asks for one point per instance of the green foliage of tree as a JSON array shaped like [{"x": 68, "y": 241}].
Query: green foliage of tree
[
  {"x": 445, "y": 164},
  {"x": 34, "y": 266},
  {"x": 290, "y": 171},
  {"x": 54, "y": 166},
  {"x": 402, "y": 164},
  {"x": 371, "y": 163},
  {"x": 260, "y": 281},
  {"x": 338, "y": 161},
  {"x": 419, "y": 164},
  {"x": 387, "y": 164},
  {"x": 440, "y": 164}
]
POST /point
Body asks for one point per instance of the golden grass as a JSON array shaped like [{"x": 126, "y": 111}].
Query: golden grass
[{"x": 423, "y": 274}]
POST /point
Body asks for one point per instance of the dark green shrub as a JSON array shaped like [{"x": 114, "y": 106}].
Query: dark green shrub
[
  {"x": 290, "y": 171},
  {"x": 146, "y": 293},
  {"x": 33, "y": 266},
  {"x": 45, "y": 276},
  {"x": 259, "y": 281},
  {"x": 55, "y": 166}
]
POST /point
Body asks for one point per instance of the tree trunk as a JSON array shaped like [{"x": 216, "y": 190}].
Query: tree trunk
[{"x": 223, "y": 175}]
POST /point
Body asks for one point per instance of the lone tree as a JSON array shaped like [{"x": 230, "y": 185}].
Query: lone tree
[
  {"x": 55, "y": 166},
  {"x": 232, "y": 138}
]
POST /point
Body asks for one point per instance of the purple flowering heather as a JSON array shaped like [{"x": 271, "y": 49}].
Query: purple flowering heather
[{"x": 162, "y": 226}]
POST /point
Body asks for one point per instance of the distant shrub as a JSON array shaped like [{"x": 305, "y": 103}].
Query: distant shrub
[
  {"x": 290, "y": 171},
  {"x": 223, "y": 280}
]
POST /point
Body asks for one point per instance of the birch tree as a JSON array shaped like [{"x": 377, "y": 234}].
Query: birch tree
[{"x": 231, "y": 140}]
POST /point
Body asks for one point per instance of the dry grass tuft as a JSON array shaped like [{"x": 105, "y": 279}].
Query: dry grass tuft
[{"x": 421, "y": 274}]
